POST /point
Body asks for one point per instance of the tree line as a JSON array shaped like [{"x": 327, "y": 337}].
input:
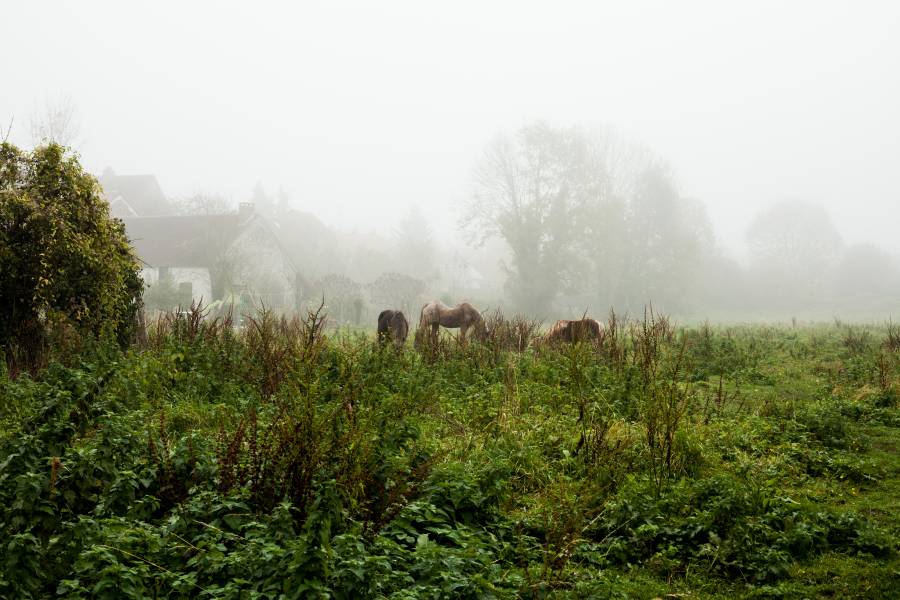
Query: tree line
[{"x": 591, "y": 220}]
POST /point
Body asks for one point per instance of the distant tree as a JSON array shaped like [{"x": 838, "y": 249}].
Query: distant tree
[
  {"x": 642, "y": 242},
  {"x": 6, "y": 131},
  {"x": 591, "y": 221},
  {"x": 397, "y": 291},
  {"x": 311, "y": 244},
  {"x": 369, "y": 256},
  {"x": 63, "y": 259},
  {"x": 533, "y": 191},
  {"x": 55, "y": 122},
  {"x": 203, "y": 203},
  {"x": 721, "y": 284},
  {"x": 866, "y": 270},
  {"x": 794, "y": 246},
  {"x": 603, "y": 271},
  {"x": 794, "y": 235},
  {"x": 669, "y": 239},
  {"x": 415, "y": 249},
  {"x": 343, "y": 297}
]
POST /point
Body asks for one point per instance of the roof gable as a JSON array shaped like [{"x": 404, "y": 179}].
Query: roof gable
[{"x": 141, "y": 192}]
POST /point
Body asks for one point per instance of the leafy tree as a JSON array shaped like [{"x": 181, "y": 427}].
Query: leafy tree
[
  {"x": 532, "y": 191},
  {"x": 311, "y": 244},
  {"x": 589, "y": 219},
  {"x": 866, "y": 270},
  {"x": 794, "y": 246},
  {"x": 794, "y": 235},
  {"x": 369, "y": 254},
  {"x": 63, "y": 259},
  {"x": 670, "y": 237}
]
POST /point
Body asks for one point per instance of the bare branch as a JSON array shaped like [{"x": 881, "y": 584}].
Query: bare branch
[{"x": 5, "y": 135}]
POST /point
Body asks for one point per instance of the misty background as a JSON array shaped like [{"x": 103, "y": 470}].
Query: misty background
[{"x": 730, "y": 162}]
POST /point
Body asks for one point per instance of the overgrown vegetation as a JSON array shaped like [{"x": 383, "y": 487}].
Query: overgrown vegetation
[
  {"x": 277, "y": 461},
  {"x": 66, "y": 267}
]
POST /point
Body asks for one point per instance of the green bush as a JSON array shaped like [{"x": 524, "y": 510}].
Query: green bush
[
  {"x": 64, "y": 263},
  {"x": 737, "y": 528}
]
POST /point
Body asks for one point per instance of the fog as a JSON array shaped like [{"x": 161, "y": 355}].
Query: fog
[{"x": 375, "y": 123}]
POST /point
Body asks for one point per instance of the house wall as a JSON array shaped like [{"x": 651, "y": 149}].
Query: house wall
[{"x": 262, "y": 270}]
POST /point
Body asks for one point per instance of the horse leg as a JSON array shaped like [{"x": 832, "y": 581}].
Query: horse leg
[{"x": 462, "y": 333}]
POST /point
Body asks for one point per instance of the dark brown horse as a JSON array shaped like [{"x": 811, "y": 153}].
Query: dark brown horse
[
  {"x": 582, "y": 330},
  {"x": 392, "y": 326},
  {"x": 463, "y": 316}
]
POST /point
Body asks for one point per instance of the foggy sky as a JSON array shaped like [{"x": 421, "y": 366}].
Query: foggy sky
[{"x": 361, "y": 109}]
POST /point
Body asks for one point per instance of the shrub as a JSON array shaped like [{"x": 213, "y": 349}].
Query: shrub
[
  {"x": 63, "y": 260},
  {"x": 742, "y": 529},
  {"x": 891, "y": 341},
  {"x": 510, "y": 334},
  {"x": 857, "y": 341}
]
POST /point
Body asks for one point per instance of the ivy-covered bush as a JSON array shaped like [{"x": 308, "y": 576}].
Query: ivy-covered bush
[{"x": 65, "y": 264}]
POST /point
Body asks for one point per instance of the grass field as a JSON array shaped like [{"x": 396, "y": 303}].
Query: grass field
[{"x": 283, "y": 461}]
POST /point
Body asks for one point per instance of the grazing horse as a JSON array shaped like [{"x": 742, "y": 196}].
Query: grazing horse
[
  {"x": 392, "y": 325},
  {"x": 463, "y": 316},
  {"x": 582, "y": 330}
]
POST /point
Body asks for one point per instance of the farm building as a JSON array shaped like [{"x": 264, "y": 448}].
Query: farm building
[
  {"x": 210, "y": 257},
  {"x": 234, "y": 256}
]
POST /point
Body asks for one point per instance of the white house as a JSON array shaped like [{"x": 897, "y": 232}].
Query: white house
[{"x": 209, "y": 256}]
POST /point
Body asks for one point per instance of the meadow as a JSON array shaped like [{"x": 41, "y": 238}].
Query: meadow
[{"x": 287, "y": 460}]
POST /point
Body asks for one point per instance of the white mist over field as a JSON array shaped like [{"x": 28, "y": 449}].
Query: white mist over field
[{"x": 357, "y": 111}]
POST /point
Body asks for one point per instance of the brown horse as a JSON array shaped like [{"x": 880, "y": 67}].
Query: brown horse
[
  {"x": 392, "y": 326},
  {"x": 582, "y": 330},
  {"x": 463, "y": 316}
]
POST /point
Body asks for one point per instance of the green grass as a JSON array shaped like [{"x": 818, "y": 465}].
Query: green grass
[{"x": 707, "y": 462}]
